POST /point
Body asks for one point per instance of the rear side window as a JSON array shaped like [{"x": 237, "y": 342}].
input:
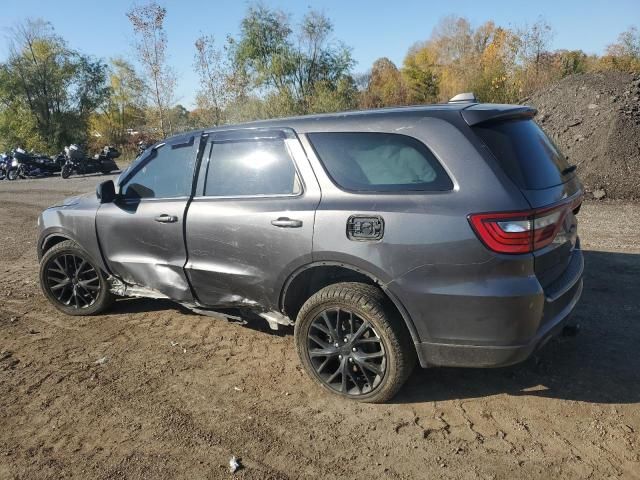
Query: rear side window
[
  {"x": 251, "y": 167},
  {"x": 379, "y": 162},
  {"x": 525, "y": 153},
  {"x": 167, "y": 172}
]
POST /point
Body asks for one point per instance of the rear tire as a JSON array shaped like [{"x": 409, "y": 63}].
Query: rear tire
[
  {"x": 352, "y": 342},
  {"x": 72, "y": 283}
]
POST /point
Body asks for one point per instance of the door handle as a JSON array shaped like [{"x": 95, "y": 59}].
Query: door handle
[
  {"x": 285, "y": 222},
  {"x": 164, "y": 218}
]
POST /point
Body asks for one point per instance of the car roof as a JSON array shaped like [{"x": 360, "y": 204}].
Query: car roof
[
  {"x": 341, "y": 120},
  {"x": 303, "y": 122}
]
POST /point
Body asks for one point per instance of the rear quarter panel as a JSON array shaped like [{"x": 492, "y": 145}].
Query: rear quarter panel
[{"x": 429, "y": 257}]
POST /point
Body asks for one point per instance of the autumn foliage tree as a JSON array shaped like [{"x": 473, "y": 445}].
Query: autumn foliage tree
[
  {"x": 276, "y": 65},
  {"x": 625, "y": 53},
  {"x": 385, "y": 87},
  {"x": 421, "y": 74}
]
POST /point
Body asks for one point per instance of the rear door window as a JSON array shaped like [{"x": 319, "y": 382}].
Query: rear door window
[
  {"x": 525, "y": 153},
  {"x": 379, "y": 162},
  {"x": 250, "y": 167}
]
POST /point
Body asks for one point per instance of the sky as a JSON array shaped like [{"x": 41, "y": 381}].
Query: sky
[{"x": 373, "y": 28}]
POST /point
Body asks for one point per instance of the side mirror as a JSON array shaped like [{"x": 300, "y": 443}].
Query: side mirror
[{"x": 106, "y": 191}]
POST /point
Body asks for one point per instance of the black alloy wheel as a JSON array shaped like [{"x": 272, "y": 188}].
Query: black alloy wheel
[
  {"x": 352, "y": 342},
  {"x": 72, "y": 280},
  {"x": 346, "y": 352}
]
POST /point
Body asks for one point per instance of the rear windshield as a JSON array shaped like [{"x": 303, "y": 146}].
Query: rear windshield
[
  {"x": 379, "y": 162},
  {"x": 525, "y": 153}
]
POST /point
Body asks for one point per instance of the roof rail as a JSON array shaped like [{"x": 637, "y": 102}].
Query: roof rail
[{"x": 467, "y": 97}]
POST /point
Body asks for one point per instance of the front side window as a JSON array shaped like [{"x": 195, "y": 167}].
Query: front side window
[
  {"x": 250, "y": 167},
  {"x": 379, "y": 162},
  {"x": 166, "y": 173}
]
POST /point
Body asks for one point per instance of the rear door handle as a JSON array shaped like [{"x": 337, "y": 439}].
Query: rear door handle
[
  {"x": 285, "y": 222},
  {"x": 164, "y": 218}
]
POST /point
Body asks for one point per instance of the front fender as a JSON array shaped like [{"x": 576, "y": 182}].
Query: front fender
[{"x": 76, "y": 224}]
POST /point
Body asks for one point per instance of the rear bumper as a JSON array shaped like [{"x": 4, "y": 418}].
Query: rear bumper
[
  {"x": 451, "y": 355},
  {"x": 559, "y": 301}
]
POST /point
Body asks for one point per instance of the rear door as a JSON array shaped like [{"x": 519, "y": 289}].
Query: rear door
[
  {"x": 536, "y": 165},
  {"x": 141, "y": 233},
  {"x": 250, "y": 224}
]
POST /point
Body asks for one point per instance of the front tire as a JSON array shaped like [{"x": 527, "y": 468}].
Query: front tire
[
  {"x": 71, "y": 282},
  {"x": 66, "y": 171},
  {"x": 12, "y": 174},
  {"x": 352, "y": 342}
]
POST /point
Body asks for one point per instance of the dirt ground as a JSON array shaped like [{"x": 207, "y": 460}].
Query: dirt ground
[{"x": 178, "y": 394}]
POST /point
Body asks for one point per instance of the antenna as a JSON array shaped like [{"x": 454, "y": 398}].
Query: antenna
[{"x": 467, "y": 97}]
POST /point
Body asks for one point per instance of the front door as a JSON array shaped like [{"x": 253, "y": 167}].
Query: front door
[
  {"x": 250, "y": 224},
  {"x": 141, "y": 233}
]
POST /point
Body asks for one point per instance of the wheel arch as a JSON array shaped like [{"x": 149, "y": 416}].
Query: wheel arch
[
  {"x": 312, "y": 277},
  {"x": 50, "y": 240}
]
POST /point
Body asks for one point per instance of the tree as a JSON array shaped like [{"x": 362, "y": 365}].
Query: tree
[
  {"x": 495, "y": 81},
  {"x": 214, "y": 76},
  {"x": 151, "y": 45},
  {"x": 124, "y": 108},
  {"x": 534, "y": 43},
  {"x": 386, "y": 86},
  {"x": 628, "y": 44},
  {"x": 625, "y": 53},
  {"x": 456, "y": 51},
  {"x": 338, "y": 97},
  {"x": 287, "y": 65},
  {"x": 571, "y": 62},
  {"x": 420, "y": 73},
  {"x": 180, "y": 118},
  {"x": 47, "y": 90}
]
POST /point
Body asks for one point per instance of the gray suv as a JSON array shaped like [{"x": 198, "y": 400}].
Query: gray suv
[{"x": 444, "y": 234}]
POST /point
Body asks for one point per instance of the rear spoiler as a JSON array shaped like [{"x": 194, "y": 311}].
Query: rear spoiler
[{"x": 488, "y": 112}]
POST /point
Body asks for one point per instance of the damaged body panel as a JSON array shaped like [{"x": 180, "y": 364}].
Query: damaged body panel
[
  {"x": 143, "y": 251},
  {"x": 245, "y": 240},
  {"x": 74, "y": 219}
]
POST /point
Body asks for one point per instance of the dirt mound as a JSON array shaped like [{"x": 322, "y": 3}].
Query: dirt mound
[{"x": 595, "y": 119}]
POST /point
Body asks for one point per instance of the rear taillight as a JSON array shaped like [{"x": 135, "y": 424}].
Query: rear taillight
[{"x": 521, "y": 232}]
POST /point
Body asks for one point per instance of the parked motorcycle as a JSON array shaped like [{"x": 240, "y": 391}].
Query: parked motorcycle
[
  {"x": 25, "y": 165},
  {"x": 5, "y": 165},
  {"x": 77, "y": 162}
]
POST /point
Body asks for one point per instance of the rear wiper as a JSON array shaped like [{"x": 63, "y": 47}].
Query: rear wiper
[{"x": 569, "y": 169}]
